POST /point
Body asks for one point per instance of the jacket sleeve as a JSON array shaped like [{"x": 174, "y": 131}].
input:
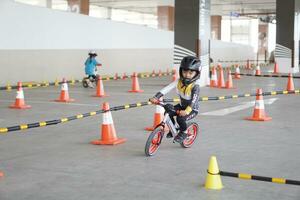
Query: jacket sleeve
[
  {"x": 195, "y": 98},
  {"x": 166, "y": 89}
]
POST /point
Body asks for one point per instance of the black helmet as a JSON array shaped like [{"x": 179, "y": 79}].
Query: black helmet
[{"x": 190, "y": 63}]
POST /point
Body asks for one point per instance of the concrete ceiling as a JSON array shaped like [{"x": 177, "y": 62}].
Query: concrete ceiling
[{"x": 218, "y": 7}]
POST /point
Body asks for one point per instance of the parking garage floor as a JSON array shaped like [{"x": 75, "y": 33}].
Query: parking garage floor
[{"x": 58, "y": 162}]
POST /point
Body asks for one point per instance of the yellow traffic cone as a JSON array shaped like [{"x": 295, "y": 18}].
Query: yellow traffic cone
[{"x": 213, "y": 178}]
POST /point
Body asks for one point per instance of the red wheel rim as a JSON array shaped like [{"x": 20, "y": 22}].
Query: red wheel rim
[
  {"x": 155, "y": 142},
  {"x": 192, "y": 134}
]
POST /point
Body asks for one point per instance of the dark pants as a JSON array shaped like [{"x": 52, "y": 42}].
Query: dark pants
[
  {"x": 92, "y": 76},
  {"x": 181, "y": 120}
]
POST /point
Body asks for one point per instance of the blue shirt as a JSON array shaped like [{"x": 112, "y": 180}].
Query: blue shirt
[{"x": 90, "y": 66}]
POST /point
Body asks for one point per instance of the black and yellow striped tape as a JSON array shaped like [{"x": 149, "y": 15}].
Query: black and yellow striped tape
[
  {"x": 133, "y": 105},
  {"x": 236, "y": 61},
  {"x": 9, "y": 87},
  {"x": 269, "y": 75},
  {"x": 260, "y": 178},
  {"x": 4, "y": 130}
]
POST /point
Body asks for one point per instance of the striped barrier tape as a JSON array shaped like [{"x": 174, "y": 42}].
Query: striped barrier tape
[
  {"x": 9, "y": 87},
  {"x": 226, "y": 61},
  {"x": 260, "y": 178},
  {"x": 232, "y": 67},
  {"x": 127, "y": 106},
  {"x": 269, "y": 75},
  {"x": 271, "y": 93},
  {"x": 67, "y": 119}
]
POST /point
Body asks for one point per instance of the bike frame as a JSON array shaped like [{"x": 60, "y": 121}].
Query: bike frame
[
  {"x": 172, "y": 127},
  {"x": 167, "y": 121}
]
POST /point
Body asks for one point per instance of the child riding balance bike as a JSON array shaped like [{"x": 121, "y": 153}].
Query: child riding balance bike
[
  {"x": 91, "y": 70},
  {"x": 188, "y": 89}
]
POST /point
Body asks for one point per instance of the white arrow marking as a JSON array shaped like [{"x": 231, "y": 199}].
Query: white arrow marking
[{"x": 229, "y": 110}]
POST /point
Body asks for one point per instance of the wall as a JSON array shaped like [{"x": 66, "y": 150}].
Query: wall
[
  {"x": 227, "y": 51},
  {"x": 43, "y": 44}
]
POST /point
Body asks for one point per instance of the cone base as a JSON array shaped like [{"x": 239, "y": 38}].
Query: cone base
[
  {"x": 109, "y": 142},
  {"x": 136, "y": 91},
  {"x": 213, "y": 182},
  {"x": 1, "y": 174},
  {"x": 20, "y": 107},
  {"x": 65, "y": 101},
  {"x": 258, "y": 119},
  {"x": 229, "y": 87},
  {"x": 100, "y": 95}
]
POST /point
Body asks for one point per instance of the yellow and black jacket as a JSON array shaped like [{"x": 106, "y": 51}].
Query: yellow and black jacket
[{"x": 188, "y": 94}]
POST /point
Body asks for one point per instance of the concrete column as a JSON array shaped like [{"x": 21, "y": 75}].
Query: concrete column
[
  {"x": 287, "y": 35},
  {"x": 85, "y": 7},
  {"x": 79, "y": 6},
  {"x": 263, "y": 42},
  {"x": 186, "y": 30},
  {"x": 216, "y": 27},
  {"x": 165, "y": 16},
  {"x": 49, "y": 3}
]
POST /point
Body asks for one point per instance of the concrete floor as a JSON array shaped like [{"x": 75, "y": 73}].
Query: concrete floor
[{"x": 58, "y": 163}]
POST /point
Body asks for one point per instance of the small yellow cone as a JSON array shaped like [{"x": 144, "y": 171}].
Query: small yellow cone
[{"x": 213, "y": 178}]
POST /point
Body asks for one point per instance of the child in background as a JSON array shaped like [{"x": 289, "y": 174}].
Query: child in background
[{"x": 91, "y": 66}]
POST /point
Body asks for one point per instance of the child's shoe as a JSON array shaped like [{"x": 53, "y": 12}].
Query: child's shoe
[
  {"x": 180, "y": 137},
  {"x": 169, "y": 135}
]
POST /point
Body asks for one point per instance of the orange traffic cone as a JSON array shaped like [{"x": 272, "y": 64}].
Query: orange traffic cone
[
  {"x": 229, "y": 83},
  {"x": 116, "y": 76},
  {"x": 100, "y": 89},
  {"x": 159, "y": 73},
  {"x": 213, "y": 79},
  {"x": 221, "y": 82},
  {"x": 1, "y": 174},
  {"x": 158, "y": 117},
  {"x": 259, "y": 108},
  {"x": 124, "y": 76},
  {"x": 108, "y": 132},
  {"x": 275, "y": 68},
  {"x": 153, "y": 73},
  {"x": 64, "y": 93},
  {"x": 20, "y": 102},
  {"x": 174, "y": 76},
  {"x": 237, "y": 74},
  {"x": 290, "y": 84},
  {"x": 257, "y": 71},
  {"x": 135, "y": 84}
]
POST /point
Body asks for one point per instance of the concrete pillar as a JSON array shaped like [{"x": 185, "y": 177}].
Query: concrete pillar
[
  {"x": 49, "y": 3},
  {"x": 85, "y": 7},
  {"x": 79, "y": 6},
  {"x": 263, "y": 42},
  {"x": 216, "y": 27},
  {"x": 287, "y": 35},
  {"x": 165, "y": 16}
]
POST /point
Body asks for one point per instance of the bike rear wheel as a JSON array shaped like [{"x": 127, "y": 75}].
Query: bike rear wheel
[
  {"x": 192, "y": 132},
  {"x": 154, "y": 141},
  {"x": 84, "y": 83}
]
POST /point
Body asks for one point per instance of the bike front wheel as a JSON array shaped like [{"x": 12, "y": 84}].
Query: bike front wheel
[
  {"x": 192, "y": 132},
  {"x": 154, "y": 141}
]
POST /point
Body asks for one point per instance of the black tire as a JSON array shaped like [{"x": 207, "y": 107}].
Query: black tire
[
  {"x": 154, "y": 141},
  {"x": 84, "y": 83},
  {"x": 193, "y": 131}
]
